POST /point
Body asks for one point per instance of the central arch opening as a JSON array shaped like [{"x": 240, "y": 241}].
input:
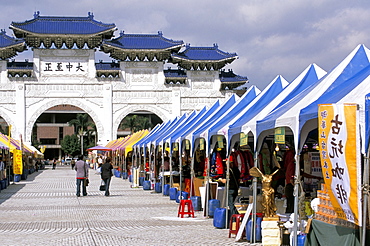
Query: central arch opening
[{"x": 64, "y": 131}]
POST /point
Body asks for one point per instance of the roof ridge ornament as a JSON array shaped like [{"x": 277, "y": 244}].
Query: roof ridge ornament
[
  {"x": 91, "y": 15},
  {"x": 36, "y": 14},
  {"x": 215, "y": 45},
  {"x": 160, "y": 33},
  {"x": 2, "y": 31}
]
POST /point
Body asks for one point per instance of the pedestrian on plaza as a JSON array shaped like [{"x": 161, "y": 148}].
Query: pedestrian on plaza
[
  {"x": 233, "y": 186},
  {"x": 82, "y": 174},
  {"x": 54, "y": 163},
  {"x": 73, "y": 163},
  {"x": 106, "y": 174}
]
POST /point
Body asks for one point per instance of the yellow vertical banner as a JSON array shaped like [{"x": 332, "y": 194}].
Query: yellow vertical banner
[
  {"x": 280, "y": 135},
  {"x": 17, "y": 162},
  {"x": 243, "y": 139},
  {"x": 339, "y": 139}
]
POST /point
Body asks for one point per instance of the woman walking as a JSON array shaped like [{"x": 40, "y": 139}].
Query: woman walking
[
  {"x": 106, "y": 174},
  {"x": 82, "y": 173}
]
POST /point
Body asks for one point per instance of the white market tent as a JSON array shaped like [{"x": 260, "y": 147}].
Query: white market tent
[
  {"x": 287, "y": 115},
  {"x": 344, "y": 84},
  {"x": 247, "y": 123}
]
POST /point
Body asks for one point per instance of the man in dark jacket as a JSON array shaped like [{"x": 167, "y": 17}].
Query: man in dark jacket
[
  {"x": 106, "y": 174},
  {"x": 82, "y": 173}
]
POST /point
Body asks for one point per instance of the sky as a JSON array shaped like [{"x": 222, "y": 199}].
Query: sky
[{"x": 270, "y": 37}]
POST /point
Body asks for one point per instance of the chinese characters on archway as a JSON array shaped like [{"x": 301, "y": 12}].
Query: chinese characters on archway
[
  {"x": 56, "y": 68},
  {"x": 339, "y": 152}
]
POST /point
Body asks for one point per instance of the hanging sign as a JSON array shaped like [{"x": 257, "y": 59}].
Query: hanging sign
[
  {"x": 280, "y": 135},
  {"x": 17, "y": 161},
  {"x": 201, "y": 144},
  {"x": 176, "y": 147},
  {"x": 243, "y": 139},
  {"x": 339, "y": 139},
  {"x": 187, "y": 144},
  {"x": 220, "y": 142}
]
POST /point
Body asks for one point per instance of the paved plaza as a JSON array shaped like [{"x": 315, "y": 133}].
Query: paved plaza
[{"x": 44, "y": 210}]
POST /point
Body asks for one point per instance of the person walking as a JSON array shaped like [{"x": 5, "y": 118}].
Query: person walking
[
  {"x": 54, "y": 163},
  {"x": 82, "y": 173},
  {"x": 106, "y": 174}
]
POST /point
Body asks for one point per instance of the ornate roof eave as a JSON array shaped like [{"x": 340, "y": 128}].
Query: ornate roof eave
[
  {"x": 12, "y": 50},
  {"x": 202, "y": 64},
  {"x": 226, "y": 60},
  {"x": 169, "y": 49},
  {"x": 122, "y": 54},
  {"x": 58, "y": 35}
]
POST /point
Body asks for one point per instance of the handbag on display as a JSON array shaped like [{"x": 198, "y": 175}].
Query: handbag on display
[{"x": 102, "y": 186}]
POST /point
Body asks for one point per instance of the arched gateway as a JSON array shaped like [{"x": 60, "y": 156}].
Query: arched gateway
[{"x": 64, "y": 71}]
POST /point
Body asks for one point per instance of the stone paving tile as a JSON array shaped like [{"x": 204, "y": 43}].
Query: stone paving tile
[{"x": 44, "y": 210}]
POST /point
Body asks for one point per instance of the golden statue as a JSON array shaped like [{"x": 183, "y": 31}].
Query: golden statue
[{"x": 268, "y": 193}]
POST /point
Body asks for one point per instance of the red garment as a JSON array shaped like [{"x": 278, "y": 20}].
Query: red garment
[
  {"x": 289, "y": 165},
  {"x": 219, "y": 165},
  {"x": 249, "y": 163}
]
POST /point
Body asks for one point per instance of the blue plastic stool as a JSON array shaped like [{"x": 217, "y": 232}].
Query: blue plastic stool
[
  {"x": 166, "y": 190},
  {"x": 212, "y": 205},
  {"x": 147, "y": 185},
  {"x": 181, "y": 196},
  {"x": 173, "y": 193},
  {"x": 158, "y": 187}
]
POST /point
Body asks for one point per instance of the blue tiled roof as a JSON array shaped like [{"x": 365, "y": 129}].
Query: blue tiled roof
[
  {"x": 7, "y": 41},
  {"x": 144, "y": 41},
  {"x": 20, "y": 65},
  {"x": 62, "y": 25},
  {"x": 204, "y": 54},
  {"x": 230, "y": 76},
  {"x": 174, "y": 73},
  {"x": 107, "y": 66}
]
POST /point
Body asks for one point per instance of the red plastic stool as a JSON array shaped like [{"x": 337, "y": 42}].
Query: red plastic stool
[
  {"x": 237, "y": 218},
  {"x": 182, "y": 211}
]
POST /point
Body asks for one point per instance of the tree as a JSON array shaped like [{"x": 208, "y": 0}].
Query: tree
[
  {"x": 70, "y": 144},
  {"x": 135, "y": 123},
  {"x": 81, "y": 124}
]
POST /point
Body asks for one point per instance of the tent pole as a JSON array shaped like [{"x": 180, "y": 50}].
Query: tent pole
[
  {"x": 296, "y": 197},
  {"x": 192, "y": 174},
  {"x": 365, "y": 191},
  {"x": 180, "y": 170},
  {"x": 254, "y": 209}
]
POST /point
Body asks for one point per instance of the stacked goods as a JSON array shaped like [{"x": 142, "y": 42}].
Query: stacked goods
[{"x": 326, "y": 212}]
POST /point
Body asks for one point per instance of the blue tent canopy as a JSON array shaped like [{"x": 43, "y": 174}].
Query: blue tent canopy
[
  {"x": 227, "y": 112},
  {"x": 351, "y": 77},
  {"x": 308, "y": 79},
  {"x": 190, "y": 121},
  {"x": 189, "y": 127},
  {"x": 271, "y": 92}
]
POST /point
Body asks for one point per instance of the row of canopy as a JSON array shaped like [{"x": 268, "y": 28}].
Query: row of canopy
[
  {"x": 123, "y": 144},
  {"x": 293, "y": 106},
  {"x": 10, "y": 143},
  {"x": 280, "y": 104}
]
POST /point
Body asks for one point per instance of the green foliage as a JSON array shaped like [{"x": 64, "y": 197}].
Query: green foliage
[
  {"x": 71, "y": 145},
  {"x": 135, "y": 123}
]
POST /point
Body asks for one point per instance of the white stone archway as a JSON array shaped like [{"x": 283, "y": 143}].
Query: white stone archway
[
  {"x": 55, "y": 102},
  {"x": 9, "y": 121},
  {"x": 123, "y": 112}
]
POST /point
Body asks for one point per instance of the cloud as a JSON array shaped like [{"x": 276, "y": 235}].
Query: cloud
[{"x": 271, "y": 37}]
